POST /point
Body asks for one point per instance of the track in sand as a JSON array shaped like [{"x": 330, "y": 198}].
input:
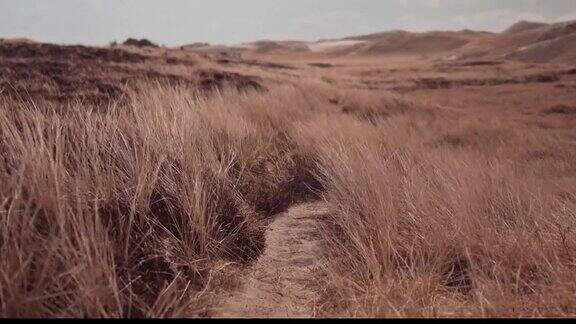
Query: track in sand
[{"x": 279, "y": 283}]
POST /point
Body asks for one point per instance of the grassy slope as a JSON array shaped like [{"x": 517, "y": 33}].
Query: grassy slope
[{"x": 132, "y": 210}]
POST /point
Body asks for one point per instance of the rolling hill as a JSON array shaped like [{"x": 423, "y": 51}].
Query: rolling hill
[{"x": 524, "y": 41}]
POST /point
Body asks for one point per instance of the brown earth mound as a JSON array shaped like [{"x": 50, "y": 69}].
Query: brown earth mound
[
  {"x": 258, "y": 63},
  {"x": 560, "y": 109},
  {"x": 523, "y": 26},
  {"x": 213, "y": 79},
  {"x": 419, "y": 44},
  {"x": 528, "y": 42},
  {"x": 446, "y": 83},
  {"x": 266, "y": 47},
  {"x": 71, "y": 53},
  {"x": 561, "y": 49},
  {"x": 403, "y": 42},
  {"x": 558, "y": 30},
  {"x": 64, "y": 73}
]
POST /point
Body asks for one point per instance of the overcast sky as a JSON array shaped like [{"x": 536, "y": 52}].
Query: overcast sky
[{"x": 176, "y": 22}]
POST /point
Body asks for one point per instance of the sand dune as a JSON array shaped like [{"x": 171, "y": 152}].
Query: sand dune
[
  {"x": 330, "y": 46},
  {"x": 530, "y": 42},
  {"x": 524, "y": 41}
]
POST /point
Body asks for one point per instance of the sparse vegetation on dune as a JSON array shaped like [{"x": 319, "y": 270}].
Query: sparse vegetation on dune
[
  {"x": 433, "y": 222},
  {"x": 141, "y": 183}
]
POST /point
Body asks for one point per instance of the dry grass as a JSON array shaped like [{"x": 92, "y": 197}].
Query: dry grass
[
  {"x": 132, "y": 209},
  {"x": 124, "y": 211},
  {"x": 444, "y": 214}
]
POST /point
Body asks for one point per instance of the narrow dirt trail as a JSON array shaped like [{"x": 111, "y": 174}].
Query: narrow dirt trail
[{"x": 277, "y": 285}]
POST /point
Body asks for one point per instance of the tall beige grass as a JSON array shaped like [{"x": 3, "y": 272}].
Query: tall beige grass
[
  {"x": 442, "y": 214},
  {"x": 129, "y": 210},
  {"x": 123, "y": 211}
]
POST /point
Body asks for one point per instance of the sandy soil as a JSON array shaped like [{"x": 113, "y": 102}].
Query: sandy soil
[
  {"x": 278, "y": 285},
  {"x": 331, "y": 45}
]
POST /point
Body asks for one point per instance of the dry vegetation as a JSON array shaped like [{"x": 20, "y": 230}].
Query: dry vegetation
[
  {"x": 133, "y": 207},
  {"x": 124, "y": 212},
  {"x": 437, "y": 216}
]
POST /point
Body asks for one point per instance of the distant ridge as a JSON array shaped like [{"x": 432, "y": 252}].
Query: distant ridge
[{"x": 523, "y": 41}]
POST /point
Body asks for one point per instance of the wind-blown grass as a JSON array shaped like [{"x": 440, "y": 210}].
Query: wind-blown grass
[{"x": 127, "y": 210}]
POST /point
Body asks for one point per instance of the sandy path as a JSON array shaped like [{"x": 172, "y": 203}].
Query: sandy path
[{"x": 278, "y": 284}]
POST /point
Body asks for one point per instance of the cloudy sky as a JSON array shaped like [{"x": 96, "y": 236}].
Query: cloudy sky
[{"x": 176, "y": 22}]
